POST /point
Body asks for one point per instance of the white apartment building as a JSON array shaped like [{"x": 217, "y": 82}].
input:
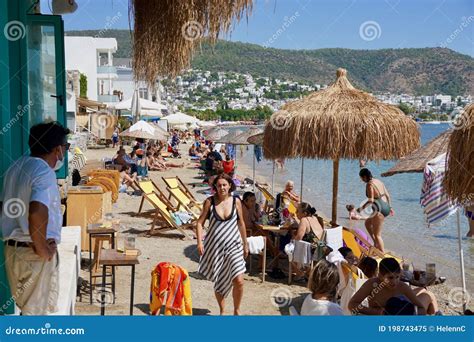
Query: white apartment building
[{"x": 93, "y": 57}]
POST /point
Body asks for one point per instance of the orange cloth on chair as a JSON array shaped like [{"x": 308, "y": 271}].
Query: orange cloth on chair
[{"x": 173, "y": 280}]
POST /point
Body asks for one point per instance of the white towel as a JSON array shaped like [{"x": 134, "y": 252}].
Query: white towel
[
  {"x": 334, "y": 238},
  {"x": 256, "y": 244},
  {"x": 302, "y": 252}
]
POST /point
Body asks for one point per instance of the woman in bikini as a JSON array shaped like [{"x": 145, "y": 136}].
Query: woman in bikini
[{"x": 379, "y": 198}]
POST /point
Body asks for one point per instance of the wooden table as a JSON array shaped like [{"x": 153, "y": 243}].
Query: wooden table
[
  {"x": 99, "y": 230},
  {"x": 279, "y": 230},
  {"x": 112, "y": 257}
]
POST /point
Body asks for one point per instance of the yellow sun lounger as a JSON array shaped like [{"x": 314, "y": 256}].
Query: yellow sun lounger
[
  {"x": 183, "y": 196},
  {"x": 269, "y": 199},
  {"x": 349, "y": 236},
  {"x": 163, "y": 214},
  {"x": 176, "y": 182},
  {"x": 149, "y": 187}
]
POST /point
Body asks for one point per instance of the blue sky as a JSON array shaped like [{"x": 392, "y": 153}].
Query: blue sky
[{"x": 312, "y": 24}]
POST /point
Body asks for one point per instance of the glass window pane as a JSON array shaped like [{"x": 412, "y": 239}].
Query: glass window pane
[{"x": 42, "y": 73}]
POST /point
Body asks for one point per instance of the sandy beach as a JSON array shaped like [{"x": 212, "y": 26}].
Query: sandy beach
[{"x": 270, "y": 298}]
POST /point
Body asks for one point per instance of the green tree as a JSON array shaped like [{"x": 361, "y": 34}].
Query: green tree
[
  {"x": 406, "y": 108},
  {"x": 83, "y": 86}
]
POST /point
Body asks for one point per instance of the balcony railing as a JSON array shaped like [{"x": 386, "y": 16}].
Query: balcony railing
[{"x": 106, "y": 69}]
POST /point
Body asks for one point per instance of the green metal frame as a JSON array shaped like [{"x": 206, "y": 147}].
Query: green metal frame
[
  {"x": 56, "y": 22},
  {"x": 14, "y": 128}
]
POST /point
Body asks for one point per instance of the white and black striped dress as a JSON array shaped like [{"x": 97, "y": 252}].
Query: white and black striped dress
[{"x": 223, "y": 257}]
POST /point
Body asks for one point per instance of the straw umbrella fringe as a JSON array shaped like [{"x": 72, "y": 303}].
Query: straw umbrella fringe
[
  {"x": 416, "y": 161},
  {"x": 459, "y": 178},
  {"x": 166, "y": 32},
  {"x": 340, "y": 122}
]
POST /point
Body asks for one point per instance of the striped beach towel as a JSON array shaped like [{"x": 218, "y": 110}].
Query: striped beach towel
[{"x": 436, "y": 204}]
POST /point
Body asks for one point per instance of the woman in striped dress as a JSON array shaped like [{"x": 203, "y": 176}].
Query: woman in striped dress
[{"x": 225, "y": 247}]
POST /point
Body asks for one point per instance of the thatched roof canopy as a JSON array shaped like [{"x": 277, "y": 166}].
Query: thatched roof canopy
[
  {"x": 242, "y": 138},
  {"x": 340, "y": 122},
  {"x": 459, "y": 178},
  {"x": 256, "y": 139},
  {"x": 216, "y": 133},
  {"x": 166, "y": 32},
  {"x": 416, "y": 161}
]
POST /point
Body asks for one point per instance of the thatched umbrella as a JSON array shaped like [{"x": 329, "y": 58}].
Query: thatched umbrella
[
  {"x": 256, "y": 139},
  {"x": 242, "y": 139},
  {"x": 167, "y": 31},
  {"x": 416, "y": 161},
  {"x": 340, "y": 122},
  {"x": 216, "y": 133},
  {"x": 459, "y": 179}
]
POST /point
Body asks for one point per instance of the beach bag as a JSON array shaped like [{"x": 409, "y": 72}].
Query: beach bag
[{"x": 320, "y": 248}]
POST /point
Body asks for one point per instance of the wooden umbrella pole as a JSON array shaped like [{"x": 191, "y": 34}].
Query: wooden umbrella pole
[
  {"x": 335, "y": 179},
  {"x": 302, "y": 173},
  {"x": 273, "y": 177},
  {"x": 253, "y": 170},
  {"x": 461, "y": 261}
]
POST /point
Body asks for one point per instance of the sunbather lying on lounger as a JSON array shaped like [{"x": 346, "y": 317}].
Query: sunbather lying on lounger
[{"x": 380, "y": 289}]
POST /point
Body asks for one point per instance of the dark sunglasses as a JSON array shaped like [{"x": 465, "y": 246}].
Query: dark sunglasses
[{"x": 66, "y": 145}]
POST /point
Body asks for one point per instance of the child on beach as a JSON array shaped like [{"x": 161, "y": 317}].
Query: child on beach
[
  {"x": 348, "y": 255},
  {"x": 353, "y": 215},
  {"x": 323, "y": 283},
  {"x": 386, "y": 285},
  {"x": 368, "y": 266}
]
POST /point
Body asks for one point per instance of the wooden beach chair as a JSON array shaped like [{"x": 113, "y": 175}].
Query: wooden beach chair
[
  {"x": 163, "y": 210},
  {"x": 350, "y": 236},
  {"x": 163, "y": 218},
  {"x": 269, "y": 199},
  {"x": 183, "y": 197},
  {"x": 176, "y": 182},
  {"x": 149, "y": 187}
]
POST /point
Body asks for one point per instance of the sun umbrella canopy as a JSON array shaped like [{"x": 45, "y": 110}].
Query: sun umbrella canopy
[
  {"x": 256, "y": 139},
  {"x": 181, "y": 127},
  {"x": 459, "y": 179},
  {"x": 340, "y": 122},
  {"x": 145, "y": 104},
  {"x": 165, "y": 46},
  {"x": 230, "y": 138},
  {"x": 242, "y": 139},
  {"x": 180, "y": 119},
  {"x": 417, "y": 160},
  {"x": 216, "y": 134},
  {"x": 145, "y": 130}
]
